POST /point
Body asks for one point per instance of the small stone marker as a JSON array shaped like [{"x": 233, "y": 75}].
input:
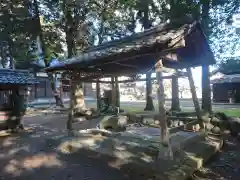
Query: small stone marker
[
  {"x": 148, "y": 120},
  {"x": 157, "y": 122},
  {"x": 122, "y": 121}
]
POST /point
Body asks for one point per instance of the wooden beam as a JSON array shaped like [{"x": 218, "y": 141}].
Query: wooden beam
[
  {"x": 130, "y": 80},
  {"x": 162, "y": 111},
  {"x": 127, "y": 65},
  {"x": 194, "y": 94}
]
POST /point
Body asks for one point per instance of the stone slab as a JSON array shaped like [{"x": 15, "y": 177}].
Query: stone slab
[{"x": 141, "y": 148}]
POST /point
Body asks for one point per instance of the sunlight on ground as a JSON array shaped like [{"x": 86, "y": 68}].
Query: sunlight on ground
[{"x": 16, "y": 167}]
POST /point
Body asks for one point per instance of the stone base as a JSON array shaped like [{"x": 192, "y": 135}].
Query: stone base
[{"x": 138, "y": 151}]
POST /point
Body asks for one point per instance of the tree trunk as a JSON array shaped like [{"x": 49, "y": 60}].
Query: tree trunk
[
  {"x": 43, "y": 48},
  {"x": 162, "y": 111},
  {"x": 57, "y": 95},
  {"x": 149, "y": 100},
  {"x": 77, "y": 103},
  {"x": 10, "y": 42},
  {"x": 206, "y": 89},
  {"x": 69, "y": 29},
  {"x": 194, "y": 94},
  {"x": 80, "y": 106},
  {"x": 175, "y": 106},
  {"x": 18, "y": 110}
]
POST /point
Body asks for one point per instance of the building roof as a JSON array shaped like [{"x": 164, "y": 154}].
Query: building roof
[
  {"x": 232, "y": 78},
  {"x": 18, "y": 77},
  {"x": 180, "y": 45},
  {"x": 223, "y": 71}
]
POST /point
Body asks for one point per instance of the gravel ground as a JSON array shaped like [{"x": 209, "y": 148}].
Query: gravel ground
[
  {"x": 33, "y": 157},
  {"x": 225, "y": 165}
]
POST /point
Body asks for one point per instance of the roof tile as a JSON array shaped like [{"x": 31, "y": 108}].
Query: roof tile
[{"x": 9, "y": 76}]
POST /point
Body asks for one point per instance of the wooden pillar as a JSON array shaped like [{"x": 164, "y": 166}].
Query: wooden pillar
[
  {"x": 45, "y": 88},
  {"x": 98, "y": 94},
  {"x": 113, "y": 93},
  {"x": 194, "y": 94},
  {"x": 175, "y": 105},
  {"x": 117, "y": 92},
  {"x": 161, "y": 107},
  {"x": 72, "y": 105},
  {"x": 206, "y": 90},
  {"x": 149, "y": 100},
  {"x": 35, "y": 86}
]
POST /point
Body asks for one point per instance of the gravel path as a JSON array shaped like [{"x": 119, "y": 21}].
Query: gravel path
[
  {"x": 32, "y": 157},
  {"x": 225, "y": 165}
]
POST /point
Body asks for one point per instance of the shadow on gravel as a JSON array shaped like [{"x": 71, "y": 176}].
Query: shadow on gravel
[{"x": 30, "y": 156}]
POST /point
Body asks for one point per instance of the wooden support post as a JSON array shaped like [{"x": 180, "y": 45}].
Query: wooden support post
[
  {"x": 194, "y": 94},
  {"x": 117, "y": 93},
  {"x": 98, "y": 95},
  {"x": 162, "y": 111},
  {"x": 149, "y": 100},
  {"x": 206, "y": 90},
  {"x": 72, "y": 105},
  {"x": 175, "y": 106},
  {"x": 113, "y": 93}
]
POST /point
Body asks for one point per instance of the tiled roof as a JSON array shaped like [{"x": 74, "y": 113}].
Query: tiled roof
[
  {"x": 162, "y": 34},
  {"x": 234, "y": 78},
  {"x": 138, "y": 53},
  {"x": 22, "y": 77}
]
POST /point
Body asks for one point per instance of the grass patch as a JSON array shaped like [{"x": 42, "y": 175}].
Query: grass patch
[
  {"x": 132, "y": 109},
  {"x": 228, "y": 112},
  {"x": 231, "y": 112}
]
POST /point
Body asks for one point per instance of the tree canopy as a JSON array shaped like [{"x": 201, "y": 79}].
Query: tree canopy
[{"x": 69, "y": 27}]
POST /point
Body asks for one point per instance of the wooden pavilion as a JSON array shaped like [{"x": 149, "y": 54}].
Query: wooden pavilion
[
  {"x": 178, "y": 45},
  {"x": 175, "y": 45}
]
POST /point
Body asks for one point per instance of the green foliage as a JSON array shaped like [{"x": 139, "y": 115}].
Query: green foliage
[
  {"x": 223, "y": 39},
  {"x": 53, "y": 40},
  {"x": 106, "y": 20},
  {"x": 15, "y": 28},
  {"x": 230, "y": 66}
]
